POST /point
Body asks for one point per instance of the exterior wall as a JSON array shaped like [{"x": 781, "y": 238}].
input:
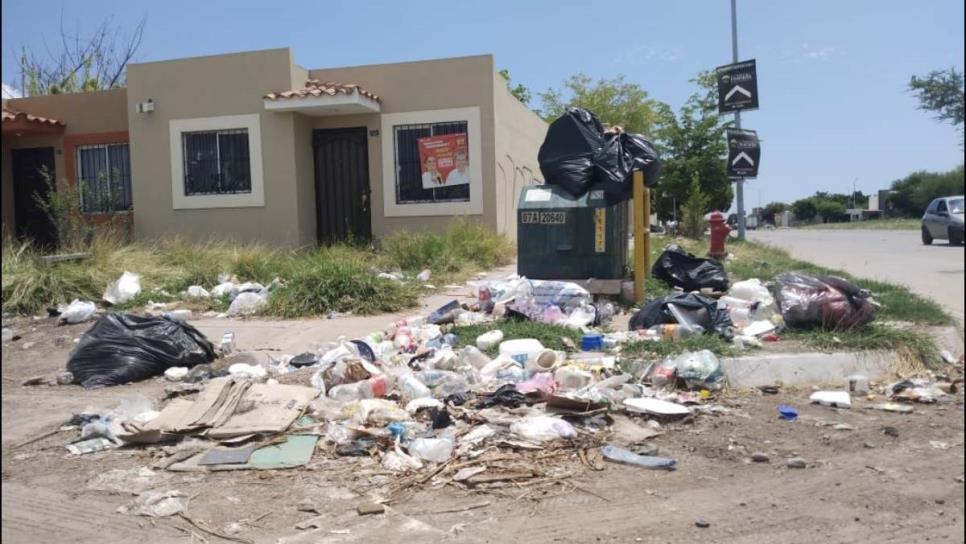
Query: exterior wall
[
  {"x": 207, "y": 87},
  {"x": 305, "y": 180},
  {"x": 519, "y": 134},
  {"x": 413, "y": 87},
  {"x": 95, "y": 117}
]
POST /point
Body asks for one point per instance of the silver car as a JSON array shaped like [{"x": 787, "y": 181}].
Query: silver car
[{"x": 943, "y": 220}]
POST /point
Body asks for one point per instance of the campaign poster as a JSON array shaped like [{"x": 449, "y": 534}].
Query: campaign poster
[{"x": 444, "y": 160}]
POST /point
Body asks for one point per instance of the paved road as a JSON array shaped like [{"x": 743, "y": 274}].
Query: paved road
[{"x": 897, "y": 256}]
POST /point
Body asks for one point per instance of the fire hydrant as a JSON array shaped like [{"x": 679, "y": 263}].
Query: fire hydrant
[{"x": 719, "y": 233}]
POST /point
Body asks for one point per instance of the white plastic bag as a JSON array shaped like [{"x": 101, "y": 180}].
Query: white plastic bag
[
  {"x": 197, "y": 291},
  {"x": 78, "y": 311},
  {"x": 542, "y": 428},
  {"x": 247, "y": 303},
  {"x": 124, "y": 289}
]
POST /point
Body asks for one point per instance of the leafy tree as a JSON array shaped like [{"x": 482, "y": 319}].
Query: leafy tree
[
  {"x": 831, "y": 210},
  {"x": 696, "y": 205},
  {"x": 519, "y": 90},
  {"x": 614, "y": 101},
  {"x": 941, "y": 92},
  {"x": 692, "y": 145},
  {"x": 80, "y": 63},
  {"x": 771, "y": 210},
  {"x": 804, "y": 209},
  {"x": 914, "y": 192}
]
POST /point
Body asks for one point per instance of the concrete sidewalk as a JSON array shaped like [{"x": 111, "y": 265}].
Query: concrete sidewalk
[{"x": 294, "y": 336}]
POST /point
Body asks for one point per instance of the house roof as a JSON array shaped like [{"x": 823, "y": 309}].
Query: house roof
[
  {"x": 314, "y": 87},
  {"x": 12, "y": 116}
]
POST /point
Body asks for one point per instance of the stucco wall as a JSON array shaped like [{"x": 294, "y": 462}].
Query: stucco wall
[
  {"x": 83, "y": 113},
  {"x": 205, "y": 87},
  {"x": 420, "y": 86},
  {"x": 519, "y": 133}
]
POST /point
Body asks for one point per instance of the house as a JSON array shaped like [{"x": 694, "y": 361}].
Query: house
[{"x": 252, "y": 147}]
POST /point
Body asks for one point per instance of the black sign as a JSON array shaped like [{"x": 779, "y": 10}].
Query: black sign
[
  {"x": 744, "y": 153},
  {"x": 737, "y": 86}
]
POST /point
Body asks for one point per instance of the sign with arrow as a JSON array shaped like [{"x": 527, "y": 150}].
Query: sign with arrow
[
  {"x": 744, "y": 153},
  {"x": 737, "y": 86}
]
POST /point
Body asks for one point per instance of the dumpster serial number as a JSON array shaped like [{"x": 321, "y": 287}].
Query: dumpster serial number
[{"x": 544, "y": 218}]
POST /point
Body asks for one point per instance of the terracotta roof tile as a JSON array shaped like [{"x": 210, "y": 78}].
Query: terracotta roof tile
[
  {"x": 314, "y": 87},
  {"x": 10, "y": 115}
]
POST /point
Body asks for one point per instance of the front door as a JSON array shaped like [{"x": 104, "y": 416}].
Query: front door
[
  {"x": 342, "y": 192},
  {"x": 30, "y": 182}
]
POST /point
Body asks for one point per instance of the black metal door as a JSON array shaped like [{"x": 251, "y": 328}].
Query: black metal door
[
  {"x": 29, "y": 182},
  {"x": 342, "y": 193}
]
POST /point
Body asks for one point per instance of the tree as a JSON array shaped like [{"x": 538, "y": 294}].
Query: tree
[
  {"x": 914, "y": 192},
  {"x": 941, "y": 91},
  {"x": 520, "y": 91},
  {"x": 692, "y": 145},
  {"x": 771, "y": 210},
  {"x": 693, "y": 211},
  {"x": 81, "y": 63},
  {"x": 832, "y": 211},
  {"x": 804, "y": 209},
  {"x": 614, "y": 101}
]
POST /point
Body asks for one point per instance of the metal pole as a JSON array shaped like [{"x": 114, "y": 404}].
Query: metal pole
[
  {"x": 740, "y": 183},
  {"x": 641, "y": 242}
]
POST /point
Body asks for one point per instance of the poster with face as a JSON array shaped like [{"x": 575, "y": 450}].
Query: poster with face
[{"x": 444, "y": 160}]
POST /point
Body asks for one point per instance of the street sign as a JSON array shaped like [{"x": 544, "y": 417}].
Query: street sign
[
  {"x": 737, "y": 86},
  {"x": 744, "y": 153}
]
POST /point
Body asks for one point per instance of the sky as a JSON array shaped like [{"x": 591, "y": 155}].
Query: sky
[{"x": 834, "y": 106}]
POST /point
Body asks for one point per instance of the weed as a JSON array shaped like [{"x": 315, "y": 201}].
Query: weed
[{"x": 548, "y": 335}]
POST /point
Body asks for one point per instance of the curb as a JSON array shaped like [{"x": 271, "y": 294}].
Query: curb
[{"x": 805, "y": 368}]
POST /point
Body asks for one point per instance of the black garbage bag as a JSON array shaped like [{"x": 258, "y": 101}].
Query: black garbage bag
[
  {"x": 615, "y": 163},
  {"x": 678, "y": 268},
  {"x": 829, "y": 302},
  {"x": 701, "y": 310},
  {"x": 567, "y": 154},
  {"x": 123, "y": 348}
]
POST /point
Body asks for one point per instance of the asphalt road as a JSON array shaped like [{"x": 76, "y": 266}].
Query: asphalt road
[{"x": 897, "y": 256}]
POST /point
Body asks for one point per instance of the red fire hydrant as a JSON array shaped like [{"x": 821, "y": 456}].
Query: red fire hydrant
[{"x": 719, "y": 233}]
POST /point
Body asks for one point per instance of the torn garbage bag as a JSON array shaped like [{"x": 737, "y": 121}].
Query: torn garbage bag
[
  {"x": 697, "y": 309},
  {"x": 567, "y": 154},
  {"x": 826, "y": 301},
  {"x": 679, "y": 268},
  {"x": 124, "y": 348}
]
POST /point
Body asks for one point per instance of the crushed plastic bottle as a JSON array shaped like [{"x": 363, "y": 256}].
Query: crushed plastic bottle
[
  {"x": 474, "y": 357},
  {"x": 621, "y": 455},
  {"x": 489, "y": 339}
]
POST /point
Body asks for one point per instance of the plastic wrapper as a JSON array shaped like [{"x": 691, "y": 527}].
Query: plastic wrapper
[
  {"x": 698, "y": 369},
  {"x": 701, "y": 311},
  {"x": 248, "y": 303},
  {"x": 124, "y": 348},
  {"x": 825, "y": 301},
  {"x": 679, "y": 268},
  {"x": 123, "y": 289},
  {"x": 542, "y": 428},
  {"x": 78, "y": 311}
]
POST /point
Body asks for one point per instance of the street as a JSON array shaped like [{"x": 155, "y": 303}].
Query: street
[{"x": 896, "y": 256}]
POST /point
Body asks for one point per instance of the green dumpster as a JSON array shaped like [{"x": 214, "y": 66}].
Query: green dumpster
[{"x": 563, "y": 237}]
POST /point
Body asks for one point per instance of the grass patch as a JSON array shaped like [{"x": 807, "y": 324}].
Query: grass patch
[
  {"x": 548, "y": 335},
  {"x": 870, "y": 224},
  {"x": 912, "y": 345},
  {"x": 340, "y": 278}
]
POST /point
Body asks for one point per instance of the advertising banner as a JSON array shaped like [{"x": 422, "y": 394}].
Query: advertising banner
[{"x": 444, "y": 160}]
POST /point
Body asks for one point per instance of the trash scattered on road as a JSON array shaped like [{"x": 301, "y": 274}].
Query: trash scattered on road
[
  {"x": 826, "y": 301},
  {"x": 787, "y": 413},
  {"x": 621, "y": 455},
  {"x": 835, "y": 399},
  {"x": 78, "y": 311},
  {"x": 679, "y": 268}
]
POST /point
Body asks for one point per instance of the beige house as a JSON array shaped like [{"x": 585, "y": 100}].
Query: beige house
[{"x": 253, "y": 147}]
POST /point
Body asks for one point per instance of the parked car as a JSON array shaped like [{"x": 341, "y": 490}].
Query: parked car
[{"x": 943, "y": 220}]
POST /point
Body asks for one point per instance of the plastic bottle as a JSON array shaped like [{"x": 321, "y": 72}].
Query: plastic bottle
[
  {"x": 436, "y": 450},
  {"x": 411, "y": 388},
  {"x": 377, "y": 386},
  {"x": 489, "y": 339},
  {"x": 620, "y": 455},
  {"x": 474, "y": 357},
  {"x": 545, "y": 360},
  {"x": 521, "y": 349},
  {"x": 571, "y": 377}
]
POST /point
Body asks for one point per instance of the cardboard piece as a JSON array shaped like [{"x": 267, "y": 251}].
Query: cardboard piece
[{"x": 296, "y": 451}]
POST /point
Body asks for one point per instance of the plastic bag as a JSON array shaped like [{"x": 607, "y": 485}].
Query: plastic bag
[
  {"x": 826, "y": 301},
  {"x": 542, "y": 428},
  {"x": 78, "y": 311},
  {"x": 247, "y": 303},
  {"x": 197, "y": 291},
  {"x": 615, "y": 163},
  {"x": 123, "y": 289},
  {"x": 699, "y": 369},
  {"x": 679, "y": 268},
  {"x": 124, "y": 348},
  {"x": 567, "y": 154},
  {"x": 702, "y": 311}
]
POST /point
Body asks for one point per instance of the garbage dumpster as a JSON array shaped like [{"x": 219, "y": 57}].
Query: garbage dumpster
[{"x": 563, "y": 237}]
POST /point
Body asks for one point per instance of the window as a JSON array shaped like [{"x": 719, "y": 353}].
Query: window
[
  {"x": 941, "y": 207},
  {"x": 104, "y": 178},
  {"x": 956, "y": 205},
  {"x": 410, "y": 188},
  {"x": 216, "y": 162}
]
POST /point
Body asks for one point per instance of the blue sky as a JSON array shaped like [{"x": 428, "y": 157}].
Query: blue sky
[{"x": 832, "y": 74}]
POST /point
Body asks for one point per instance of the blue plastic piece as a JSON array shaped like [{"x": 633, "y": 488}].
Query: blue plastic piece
[{"x": 787, "y": 413}]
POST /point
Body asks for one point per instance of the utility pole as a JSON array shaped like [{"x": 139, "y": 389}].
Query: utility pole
[{"x": 740, "y": 182}]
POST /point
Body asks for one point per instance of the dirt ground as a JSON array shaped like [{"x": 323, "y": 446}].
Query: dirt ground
[{"x": 860, "y": 485}]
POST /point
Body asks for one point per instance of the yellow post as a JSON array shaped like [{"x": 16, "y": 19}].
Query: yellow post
[{"x": 642, "y": 212}]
